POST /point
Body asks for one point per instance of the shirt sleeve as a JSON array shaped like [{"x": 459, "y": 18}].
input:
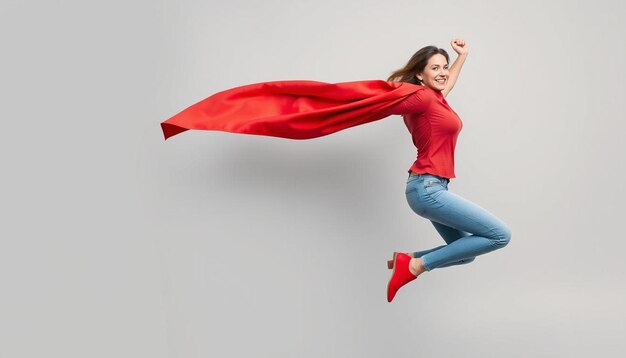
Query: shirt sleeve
[{"x": 415, "y": 103}]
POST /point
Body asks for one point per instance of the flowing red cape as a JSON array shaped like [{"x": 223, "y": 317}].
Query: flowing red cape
[{"x": 291, "y": 109}]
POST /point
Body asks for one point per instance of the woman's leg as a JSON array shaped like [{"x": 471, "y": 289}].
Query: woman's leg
[
  {"x": 488, "y": 232},
  {"x": 429, "y": 197},
  {"x": 449, "y": 235}
]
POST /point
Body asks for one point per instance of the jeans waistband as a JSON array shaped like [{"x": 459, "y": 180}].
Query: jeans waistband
[{"x": 412, "y": 174}]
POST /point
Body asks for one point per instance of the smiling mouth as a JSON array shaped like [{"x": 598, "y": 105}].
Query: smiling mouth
[{"x": 441, "y": 80}]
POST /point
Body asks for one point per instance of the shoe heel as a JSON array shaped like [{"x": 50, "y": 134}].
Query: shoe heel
[{"x": 390, "y": 262}]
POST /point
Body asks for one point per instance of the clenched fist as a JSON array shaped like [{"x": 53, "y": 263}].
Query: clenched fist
[{"x": 459, "y": 46}]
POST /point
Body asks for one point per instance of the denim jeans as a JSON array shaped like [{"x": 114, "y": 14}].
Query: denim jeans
[{"x": 467, "y": 229}]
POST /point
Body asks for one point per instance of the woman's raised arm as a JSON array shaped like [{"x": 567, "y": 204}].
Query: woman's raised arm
[{"x": 461, "y": 49}]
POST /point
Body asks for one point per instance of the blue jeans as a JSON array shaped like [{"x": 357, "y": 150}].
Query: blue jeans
[{"x": 467, "y": 229}]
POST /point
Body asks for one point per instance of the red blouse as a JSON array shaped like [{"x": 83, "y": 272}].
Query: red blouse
[{"x": 434, "y": 127}]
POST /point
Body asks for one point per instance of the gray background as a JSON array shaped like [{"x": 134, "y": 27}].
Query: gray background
[{"x": 118, "y": 244}]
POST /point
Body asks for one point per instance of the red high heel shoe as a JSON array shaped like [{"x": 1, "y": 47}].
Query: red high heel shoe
[{"x": 401, "y": 275}]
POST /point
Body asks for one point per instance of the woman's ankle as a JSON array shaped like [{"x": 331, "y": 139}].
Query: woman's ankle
[{"x": 416, "y": 267}]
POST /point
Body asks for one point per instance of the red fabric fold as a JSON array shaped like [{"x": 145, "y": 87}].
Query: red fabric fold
[{"x": 291, "y": 109}]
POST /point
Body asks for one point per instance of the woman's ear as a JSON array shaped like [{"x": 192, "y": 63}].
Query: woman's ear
[{"x": 418, "y": 77}]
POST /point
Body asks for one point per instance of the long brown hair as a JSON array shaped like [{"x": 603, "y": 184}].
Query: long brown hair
[{"x": 416, "y": 64}]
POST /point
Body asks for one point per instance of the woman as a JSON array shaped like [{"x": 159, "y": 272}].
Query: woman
[
  {"x": 467, "y": 229},
  {"x": 309, "y": 109}
]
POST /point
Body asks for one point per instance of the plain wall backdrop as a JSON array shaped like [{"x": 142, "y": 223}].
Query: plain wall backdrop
[{"x": 116, "y": 243}]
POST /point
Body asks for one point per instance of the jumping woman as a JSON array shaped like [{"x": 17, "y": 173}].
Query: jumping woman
[
  {"x": 299, "y": 109},
  {"x": 467, "y": 229}
]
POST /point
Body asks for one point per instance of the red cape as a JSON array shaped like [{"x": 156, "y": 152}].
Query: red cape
[{"x": 291, "y": 109}]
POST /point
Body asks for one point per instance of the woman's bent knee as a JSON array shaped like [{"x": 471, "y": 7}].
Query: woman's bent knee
[{"x": 503, "y": 235}]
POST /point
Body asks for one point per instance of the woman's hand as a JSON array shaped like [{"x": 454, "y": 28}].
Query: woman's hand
[{"x": 459, "y": 46}]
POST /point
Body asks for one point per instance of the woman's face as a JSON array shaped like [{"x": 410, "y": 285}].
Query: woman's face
[{"x": 435, "y": 75}]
